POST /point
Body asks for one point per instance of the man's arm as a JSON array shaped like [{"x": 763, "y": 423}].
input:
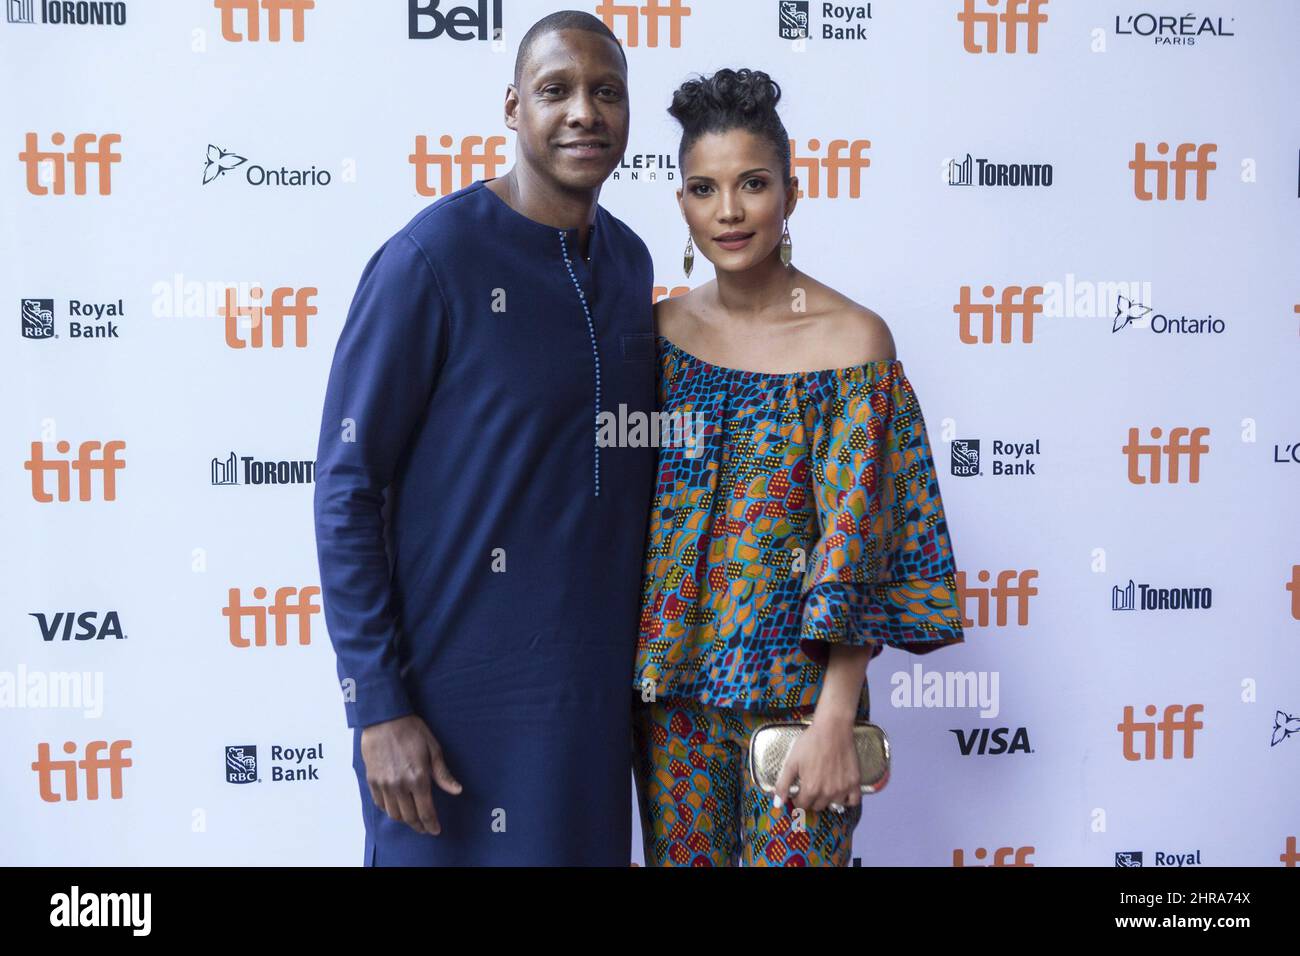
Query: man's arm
[{"x": 380, "y": 383}]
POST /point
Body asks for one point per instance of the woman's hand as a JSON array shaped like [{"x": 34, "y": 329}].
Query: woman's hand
[{"x": 824, "y": 761}]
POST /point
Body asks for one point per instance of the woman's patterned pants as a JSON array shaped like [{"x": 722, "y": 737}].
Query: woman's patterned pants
[{"x": 698, "y": 804}]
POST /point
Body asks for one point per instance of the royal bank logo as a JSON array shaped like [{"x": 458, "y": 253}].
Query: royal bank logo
[
  {"x": 288, "y": 764},
  {"x": 1128, "y": 858},
  {"x": 83, "y": 13},
  {"x": 965, "y": 457},
  {"x": 985, "y": 172},
  {"x": 220, "y": 161},
  {"x": 431, "y": 19},
  {"x": 1007, "y": 458},
  {"x": 792, "y": 19},
  {"x": 37, "y": 316},
  {"x": 241, "y": 764}
]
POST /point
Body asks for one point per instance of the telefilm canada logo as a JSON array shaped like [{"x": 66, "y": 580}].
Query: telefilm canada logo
[
  {"x": 431, "y": 19},
  {"x": 979, "y": 171},
  {"x": 86, "y": 320},
  {"x": 83, "y": 13},
  {"x": 646, "y": 167},
  {"x": 220, "y": 161},
  {"x": 247, "y": 470},
  {"x": 839, "y": 21}
]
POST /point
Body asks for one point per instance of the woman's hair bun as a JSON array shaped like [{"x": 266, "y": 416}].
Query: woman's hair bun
[{"x": 727, "y": 93}]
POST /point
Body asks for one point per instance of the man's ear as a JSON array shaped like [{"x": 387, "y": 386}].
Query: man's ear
[{"x": 512, "y": 107}]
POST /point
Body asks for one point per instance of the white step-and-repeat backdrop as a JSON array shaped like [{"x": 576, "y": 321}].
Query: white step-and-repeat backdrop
[{"x": 1079, "y": 219}]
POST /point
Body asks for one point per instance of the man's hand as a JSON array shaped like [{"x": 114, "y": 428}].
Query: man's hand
[{"x": 402, "y": 759}]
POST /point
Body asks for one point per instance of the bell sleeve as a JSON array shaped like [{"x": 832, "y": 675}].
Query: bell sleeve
[
  {"x": 382, "y": 377},
  {"x": 882, "y": 570}
]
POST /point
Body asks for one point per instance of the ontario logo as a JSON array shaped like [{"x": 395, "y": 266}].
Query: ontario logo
[{"x": 220, "y": 161}]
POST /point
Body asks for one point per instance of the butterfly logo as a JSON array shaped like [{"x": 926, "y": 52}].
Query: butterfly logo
[
  {"x": 1128, "y": 311},
  {"x": 218, "y": 162},
  {"x": 1284, "y": 725}
]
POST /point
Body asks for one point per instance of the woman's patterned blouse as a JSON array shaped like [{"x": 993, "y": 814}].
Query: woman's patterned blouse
[{"x": 791, "y": 512}]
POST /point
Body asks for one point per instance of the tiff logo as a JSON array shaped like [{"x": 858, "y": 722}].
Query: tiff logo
[
  {"x": 653, "y": 11},
  {"x": 251, "y": 19},
  {"x": 46, "y": 769},
  {"x": 1010, "y": 20},
  {"x": 1001, "y": 856},
  {"x": 20, "y": 11},
  {"x": 92, "y": 456},
  {"x": 476, "y": 155},
  {"x": 1144, "y": 731},
  {"x": 288, "y": 601},
  {"x": 1180, "y": 165},
  {"x": 833, "y": 163},
  {"x": 39, "y": 161},
  {"x": 1022, "y": 301},
  {"x": 1173, "y": 450},
  {"x": 250, "y": 316},
  {"x": 998, "y": 596}
]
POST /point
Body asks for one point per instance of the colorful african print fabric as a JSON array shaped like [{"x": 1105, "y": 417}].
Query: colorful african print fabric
[
  {"x": 806, "y": 513},
  {"x": 699, "y": 806}
]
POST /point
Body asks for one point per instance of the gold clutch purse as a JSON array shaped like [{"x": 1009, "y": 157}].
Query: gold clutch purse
[{"x": 770, "y": 743}]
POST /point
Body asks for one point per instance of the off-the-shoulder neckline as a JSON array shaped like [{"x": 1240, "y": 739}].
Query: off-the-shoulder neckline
[{"x": 880, "y": 365}]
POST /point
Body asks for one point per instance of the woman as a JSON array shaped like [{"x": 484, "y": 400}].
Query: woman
[{"x": 803, "y": 534}]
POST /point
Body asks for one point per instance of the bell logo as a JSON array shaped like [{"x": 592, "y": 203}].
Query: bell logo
[
  {"x": 652, "y": 10},
  {"x": 1001, "y": 856},
  {"x": 477, "y": 155},
  {"x": 92, "y": 456},
  {"x": 1170, "y": 724},
  {"x": 834, "y": 163},
  {"x": 1175, "y": 448},
  {"x": 250, "y": 22},
  {"x": 1016, "y": 300},
  {"x": 79, "y": 158},
  {"x": 250, "y": 316},
  {"x": 288, "y": 601},
  {"x": 984, "y": 26},
  {"x": 1181, "y": 165},
  {"x": 998, "y": 596},
  {"x": 94, "y": 760}
]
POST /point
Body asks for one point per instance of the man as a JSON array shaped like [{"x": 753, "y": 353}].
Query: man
[{"x": 491, "y": 653}]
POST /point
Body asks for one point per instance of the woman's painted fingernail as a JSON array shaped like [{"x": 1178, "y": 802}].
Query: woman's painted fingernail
[{"x": 776, "y": 801}]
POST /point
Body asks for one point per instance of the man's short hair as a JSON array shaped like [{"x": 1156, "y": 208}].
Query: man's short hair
[{"x": 562, "y": 20}]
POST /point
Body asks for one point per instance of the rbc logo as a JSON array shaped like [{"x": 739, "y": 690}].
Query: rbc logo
[{"x": 241, "y": 764}]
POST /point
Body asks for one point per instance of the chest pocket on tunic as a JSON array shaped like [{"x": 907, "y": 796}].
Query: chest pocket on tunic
[{"x": 638, "y": 346}]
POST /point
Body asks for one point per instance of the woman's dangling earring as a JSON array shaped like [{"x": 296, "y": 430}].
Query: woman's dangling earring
[
  {"x": 688, "y": 258},
  {"x": 786, "y": 250}
]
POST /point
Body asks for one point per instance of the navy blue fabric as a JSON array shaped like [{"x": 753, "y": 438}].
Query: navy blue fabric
[{"x": 451, "y": 429}]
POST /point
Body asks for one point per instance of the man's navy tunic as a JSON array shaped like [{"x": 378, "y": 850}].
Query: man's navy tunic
[{"x": 480, "y": 552}]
